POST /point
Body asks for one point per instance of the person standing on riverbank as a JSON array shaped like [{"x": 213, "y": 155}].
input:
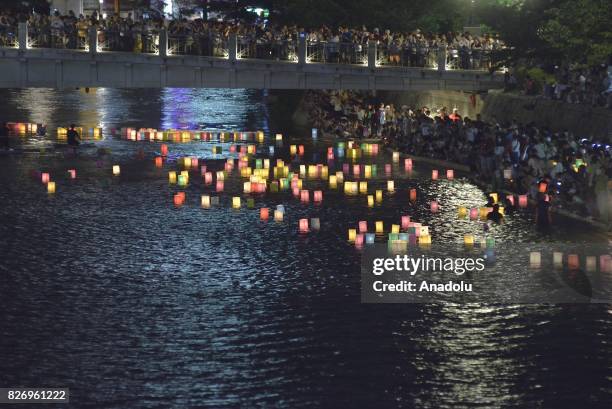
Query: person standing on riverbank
[{"x": 73, "y": 138}]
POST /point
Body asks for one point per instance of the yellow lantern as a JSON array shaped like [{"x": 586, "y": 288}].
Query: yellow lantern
[
  {"x": 367, "y": 171},
  {"x": 50, "y": 187},
  {"x": 352, "y": 233},
  {"x": 391, "y": 186},
  {"x": 205, "y": 200},
  {"x": 468, "y": 239},
  {"x": 236, "y": 202},
  {"x": 380, "y": 228},
  {"x": 379, "y": 196},
  {"x": 279, "y": 137},
  {"x": 535, "y": 259},
  {"x": 324, "y": 172},
  {"x": 333, "y": 182},
  {"x": 172, "y": 177},
  {"x": 266, "y": 163},
  {"x": 340, "y": 177},
  {"x": 462, "y": 212},
  {"x": 395, "y": 228},
  {"x": 278, "y": 216},
  {"x": 363, "y": 187},
  {"x": 396, "y": 156},
  {"x": 370, "y": 200},
  {"x": 185, "y": 174},
  {"x": 494, "y": 196},
  {"x": 425, "y": 240},
  {"x": 116, "y": 170}
]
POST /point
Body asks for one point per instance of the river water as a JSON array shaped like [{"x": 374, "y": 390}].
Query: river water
[{"x": 108, "y": 289}]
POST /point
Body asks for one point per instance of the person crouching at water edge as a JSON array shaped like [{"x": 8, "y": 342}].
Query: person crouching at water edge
[
  {"x": 73, "y": 138},
  {"x": 495, "y": 215}
]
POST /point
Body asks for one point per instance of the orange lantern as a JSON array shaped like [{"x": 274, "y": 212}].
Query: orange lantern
[
  {"x": 318, "y": 196},
  {"x": 450, "y": 174},
  {"x": 220, "y": 186},
  {"x": 264, "y": 213},
  {"x": 573, "y": 261},
  {"x": 434, "y": 174},
  {"x": 158, "y": 162},
  {"x": 523, "y": 201},
  {"x": 413, "y": 195},
  {"x": 164, "y": 149},
  {"x": 303, "y": 225},
  {"x": 542, "y": 187},
  {"x": 44, "y": 178}
]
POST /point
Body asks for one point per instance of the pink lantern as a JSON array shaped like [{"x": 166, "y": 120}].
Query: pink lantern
[
  {"x": 228, "y": 167},
  {"x": 220, "y": 186},
  {"x": 434, "y": 206},
  {"x": 345, "y": 168},
  {"x": 605, "y": 263},
  {"x": 374, "y": 149},
  {"x": 296, "y": 191},
  {"x": 408, "y": 164},
  {"x": 356, "y": 170},
  {"x": 318, "y": 196},
  {"x": 203, "y": 170},
  {"x": 44, "y": 178},
  {"x": 232, "y": 148},
  {"x": 510, "y": 198},
  {"x": 72, "y": 173},
  {"x": 387, "y": 168},
  {"x": 303, "y": 225},
  {"x": 264, "y": 213},
  {"x": 474, "y": 213},
  {"x": 305, "y": 196},
  {"x": 359, "y": 240},
  {"x": 208, "y": 177},
  {"x": 194, "y": 162},
  {"x": 363, "y": 226},
  {"x": 164, "y": 150},
  {"x": 523, "y": 201},
  {"x": 450, "y": 174},
  {"x": 405, "y": 222},
  {"x": 434, "y": 174}
]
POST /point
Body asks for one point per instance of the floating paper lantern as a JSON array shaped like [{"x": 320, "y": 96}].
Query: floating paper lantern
[
  {"x": 363, "y": 226},
  {"x": 605, "y": 263},
  {"x": 484, "y": 211},
  {"x": 395, "y": 228},
  {"x": 182, "y": 180},
  {"x": 315, "y": 223},
  {"x": 590, "y": 263},
  {"x": 413, "y": 195},
  {"x": 220, "y": 186},
  {"x": 405, "y": 222},
  {"x": 278, "y": 216},
  {"x": 116, "y": 170},
  {"x": 271, "y": 150},
  {"x": 313, "y": 133},
  {"x": 523, "y": 201},
  {"x": 172, "y": 177},
  {"x": 390, "y": 186},
  {"x": 72, "y": 173},
  {"x": 44, "y": 177},
  {"x": 510, "y": 198},
  {"x": 494, "y": 197},
  {"x": 462, "y": 211},
  {"x": 370, "y": 238},
  {"x": 424, "y": 240},
  {"x": 468, "y": 240},
  {"x": 535, "y": 259},
  {"x": 379, "y": 227},
  {"x": 50, "y": 187},
  {"x": 573, "y": 261},
  {"x": 279, "y": 137},
  {"x": 333, "y": 182},
  {"x": 340, "y": 177},
  {"x": 379, "y": 196},
  {"x": 208, "y": 178},
  {"x": 205, "y": 201},
  {"x": 396, "y": 156},
  {"x": 450, "y": 174},
  {"x": 221, "y": 175},
  {"x": 367, "y": 171},
  {"x": 542, "y": 187},
  {"x": 363, "y": 187},
  {"x": 474, "y": 213},
  {"x": 304, "y": 196},
  {"x": 557, "y": 259},
  {"x": 508, "y": 174},
  {"x": 292, "y": 149},
  {"x": 370, "y": 200},
  {"x": 178, "y": 200},
  {"x": 301, "y": 150},
  {"x": 408, "y": 164},
  {"x": 388, "y": 169},
  {"x": 185, "y": 174},
  {"x": 434, "y": 174},
  {"x": 318, "y": 196},
  {"x": 359, "y": 240},
  {"x": 164, "y": 150},
  {"x": 352, "y": 233},
  {"x": 236, "y": 202},
  {"x": 433, "y": 206}
]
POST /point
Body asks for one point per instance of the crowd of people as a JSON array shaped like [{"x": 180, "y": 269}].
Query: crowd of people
[
  {"x": 256, "y": 40},
  {"x": 572, "y": 172}
]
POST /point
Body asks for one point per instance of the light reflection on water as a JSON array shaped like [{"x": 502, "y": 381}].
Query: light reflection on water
[{"x": 108, "y": 289}]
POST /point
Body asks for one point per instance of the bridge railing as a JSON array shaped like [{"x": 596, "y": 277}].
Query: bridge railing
[{"x": 232, "y": 47}]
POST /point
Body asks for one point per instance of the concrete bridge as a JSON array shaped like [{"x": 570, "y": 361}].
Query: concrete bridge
[{"x": 23, "y": 66}]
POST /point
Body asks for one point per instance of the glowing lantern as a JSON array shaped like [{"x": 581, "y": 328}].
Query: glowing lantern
[
  {"x": 44, "y": 177},
  {"x": 352, "y": 233},
  {"x": 367, "y": 171},
  {"x": 573, "y": 261},
  {"x": 395, "y": 228},
  {"x": 178, "y": 199},
  {"x": 535, "y": 259},
  {"x": 468, "y": 240},
  {"x": 278, "y": 216},
  {"x": 396, "y": 156},
  {"x": 172, "y": 177},
  {"x": 379, "y": 227},
  {"x": 434, "y": 174},
  {"x": 236, "y": 202},
  {"x": 405, "y": 222},
  {"x": 164, "y": 150},
  {"x": 318, "y": 196},
  {"x": 510, "y": 198},
  {"x": 340, "y": 177},
  {"x": 359, "y": 240},
  {"x": 208, "y": 178},
  {"x": 50, "y": 187},
  {"x": 116, "y": 170},
  {"x": 220, "y": 186},
  {"x": 158, "y": 162},
  {"x": 523, "y": 201},
  {"x": 388, "y": 169},
  {"x": 363, "y": 187},
  {"x": 557, "y": 259},
  {"x": 591, "y": 263},
  {"x": 356, "y": 170},
  {"x": 379, "y": 196},
  {"x": 72, "y": 173},
  {"x": 315, "y": 223},
  {"x": 185, "y": 174},
  {"x": 292, "y": 149},
  {"x": 408, "y": 164},
  {"x": 304, "y": 196},
  {"x": 370, "y": 200},
  {"x": 369, "y": 238},
  {"x": 605, "y": 263},
  {"x": 205, "y": 201},
  {"x": 279, "y": 137},
  {"x": 542, "y": 186},
  {"x": 301, "y": 150},
  {"x": 390, "y": 186},
  {"x": 182, "y": 180},
  {"x": 313, "y": 133},
  {"x": 424, "y": 240},
  {"x": 363, "y": 226},
  {"x": 462, "y": 212},
  {"x": 413, "y": 195},
  {"x": 333, "y": 182},
  {"x": 494, "y": 197},
  {"x": 508, "y": 174},
  {"x": 220, "y": 175},
  {"x": 450, "y": 174},
  {"x": 434, "y": 206}
]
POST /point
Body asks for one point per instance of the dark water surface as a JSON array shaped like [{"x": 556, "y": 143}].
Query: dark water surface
[{"x": 108, "y": 289}]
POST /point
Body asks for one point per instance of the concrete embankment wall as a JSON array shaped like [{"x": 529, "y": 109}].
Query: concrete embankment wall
[{"x": 580, "y": 119}]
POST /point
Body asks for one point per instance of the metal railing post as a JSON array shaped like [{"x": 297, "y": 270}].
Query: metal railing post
[
  {"x": 232, "y": 45},
  {"x": 93, "y": 39},
  {"x": 372, "y": 54},
  {"x": 22, "y": 35},
  {"x": 163, "y": 42},
  {"x": 441, "y": 58},
  {"x": 302, "y": 49}
]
